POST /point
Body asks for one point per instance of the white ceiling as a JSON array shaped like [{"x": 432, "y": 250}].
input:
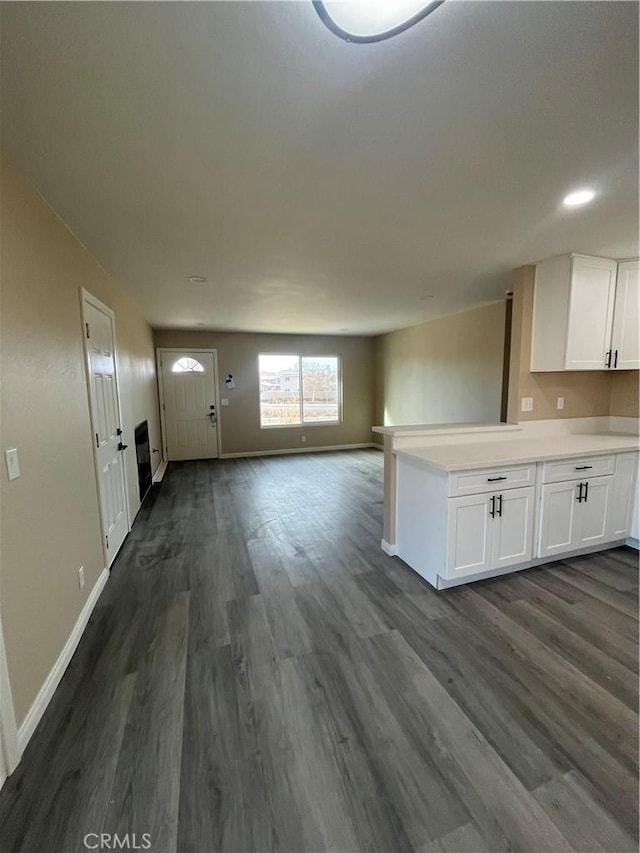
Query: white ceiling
[{"x": 320, "y": 185}]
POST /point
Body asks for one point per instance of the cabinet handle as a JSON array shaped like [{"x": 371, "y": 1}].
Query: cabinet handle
[
  {"x": 500, "y": 506},
  {"x": 615, "y": 359},
  {"x": 492, "y": 511},
  {"x": 583, "y": 467},
  {"x": 586, "y": 492},
  {"x": 579, "y": 498},
  {"x": 607, "y": 358},
  {"x": 495, "y": 479}
]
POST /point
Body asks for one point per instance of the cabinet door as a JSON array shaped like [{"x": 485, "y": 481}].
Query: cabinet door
[
  {"x": 469, "y": 537},
  {"x": 593, "y": 285},
  {"x": 626, "y": 332},
  {"x": 621, "y": 503},
  {"x": 593, "y": 512},
  {"x": 513, "y": 531},
  {"x": 558, "y": 518}
]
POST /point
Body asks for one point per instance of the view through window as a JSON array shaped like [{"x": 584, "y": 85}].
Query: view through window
[{"x": 297, "y": 390}]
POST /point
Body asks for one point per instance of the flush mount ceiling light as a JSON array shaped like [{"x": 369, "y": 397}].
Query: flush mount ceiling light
[
  {"x": 578, "y": 197},
  {"x": 197, "y": 279},
  {"x": 367, "y": 21}
]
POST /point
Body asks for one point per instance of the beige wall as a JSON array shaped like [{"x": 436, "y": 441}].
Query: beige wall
[
  {"x": 586, "y": 393},
  {"x": 444, "y": 371},
  {"x": 240, "y": 421},
  {"x": 50, "y": 522},
  {"x": 625, "y": 387}
]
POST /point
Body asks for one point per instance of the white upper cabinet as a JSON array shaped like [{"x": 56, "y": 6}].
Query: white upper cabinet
[
  {"x": 581, "y": 316},
  {"x": 590, "y": 314},
  {"x": 625, "y": 341}
]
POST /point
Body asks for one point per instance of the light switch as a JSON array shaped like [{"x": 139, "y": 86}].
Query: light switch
[
  {"x": 224, "y": 402},
  {"x": 527, "y": 404},
  {"x": 560, "y": 403},
  {"x": 13, "y": 464}
]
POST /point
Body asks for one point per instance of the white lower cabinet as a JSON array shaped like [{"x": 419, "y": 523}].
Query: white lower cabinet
[
  {"x": 557, "y": 518},
  {"x": 624, "y": 497},
  {"x": 579, "y": 514},
  {"x": 470, "y": 535},
  {"x": 593, "y": 512},
  {"x": 490, "y": 531},
  {"x": 513, "y": 534},
  {"x": 567, "y": 505},
  {"x": 587, "y": 512}
]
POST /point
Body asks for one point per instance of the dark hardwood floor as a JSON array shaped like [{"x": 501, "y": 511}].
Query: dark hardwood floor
[{"x": 259, "y": 676}]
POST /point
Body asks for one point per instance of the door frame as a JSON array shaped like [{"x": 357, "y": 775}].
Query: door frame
[
  {"x": 9, "y": 747},
  {"x": 86, "y": 296},
  {"x": 216, "y": 394}
]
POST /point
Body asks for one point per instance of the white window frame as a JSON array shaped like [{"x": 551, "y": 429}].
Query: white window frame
[{"x": 303, "y": 423}]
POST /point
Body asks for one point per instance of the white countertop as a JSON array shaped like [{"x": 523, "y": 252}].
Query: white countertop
[
  {"x": 442, "y": 429},
  {"x": 468, "y": 455}
]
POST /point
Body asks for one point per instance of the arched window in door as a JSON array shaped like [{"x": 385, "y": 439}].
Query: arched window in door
[{"x": 187, "y": 365}]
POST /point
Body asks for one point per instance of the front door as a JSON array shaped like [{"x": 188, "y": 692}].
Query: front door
[
  {"x": 108, "y": 445},
  {"x": 189, "y": 400}
]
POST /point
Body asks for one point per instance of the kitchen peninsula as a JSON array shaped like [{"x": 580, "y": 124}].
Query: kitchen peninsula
[{"x": 472, "y": 501}]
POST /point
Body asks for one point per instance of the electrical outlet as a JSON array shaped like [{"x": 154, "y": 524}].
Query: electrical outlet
[
  {"x": 527, "y": 404},
  {"x": 224, "y": 402},
  {"x": 13, "y": 463},
  {"x": 81, "y": 577},
  {"x": 560, "y": 403},
  {"x": 303, "y": 438}
]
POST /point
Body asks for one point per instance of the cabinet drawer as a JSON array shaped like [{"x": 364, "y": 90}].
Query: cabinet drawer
[
  {"x": 491, "y": 479},
  {"x": 578, "y": 469}
]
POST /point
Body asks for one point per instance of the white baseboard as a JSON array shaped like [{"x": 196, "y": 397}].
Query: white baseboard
[
  {"x": 36, "y": 711},
  {"x": 299, "y": 450},
  {"x": 632, "y": 542},
  {"x": 443, "y": 583},
  {"x": 159, "y": 473},
  {"x": 388, "y": 548}
]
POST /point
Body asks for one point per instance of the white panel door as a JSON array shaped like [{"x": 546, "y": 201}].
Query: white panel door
[
  {"x": 105, "y": 418},
  {"x": 189, "y": 399},
  {"x": 469, "y": 537},
  {"x": 625, "y": 341},
  {"x": 593, "y": 287},
  {"x": 558, "y": 518},
  {"x": 593, "y": 512},
  {"x": 513, "y": 533}
]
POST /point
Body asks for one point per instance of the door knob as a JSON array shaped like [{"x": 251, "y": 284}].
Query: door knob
[{"x": 122, "y": 446}]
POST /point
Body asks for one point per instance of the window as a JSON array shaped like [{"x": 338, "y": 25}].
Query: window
[
  {"x": 187, "y": 365},
  {"x": 296, "y": 390}
]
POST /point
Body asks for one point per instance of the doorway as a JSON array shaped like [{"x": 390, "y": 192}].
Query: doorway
[
  {"x": 506, "y": 360},
  {"x": 98, "y": 323},
  {"x": 189, "y": 403}
]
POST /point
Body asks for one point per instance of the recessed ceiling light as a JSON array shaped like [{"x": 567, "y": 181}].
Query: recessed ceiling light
[
  {"x": 364, "y": 21},
  {"x": 197, "y": 279},
  {"x": 578, "y": 197}
]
